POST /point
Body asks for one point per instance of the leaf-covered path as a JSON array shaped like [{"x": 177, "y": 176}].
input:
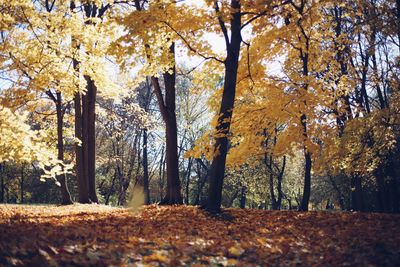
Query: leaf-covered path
[{"x": 82, "y": 235}]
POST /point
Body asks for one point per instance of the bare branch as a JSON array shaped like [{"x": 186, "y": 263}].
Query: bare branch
[
  {"x": 190, "y": 47},
  {"x": 222, "y": 25}
]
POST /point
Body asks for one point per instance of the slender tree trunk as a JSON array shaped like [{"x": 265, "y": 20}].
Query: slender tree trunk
[
  {"x": 307, "y": 181},
  {"x": 83, "y": 184},
  {"x": 243, "y": 193},
  {"x": 304, "y": 57},
  {"x": 380, "y": 193},
  {"x": 65, "y": 195},
  {"x": 187, "y": 189},
  {"x": 201, "y": 181},
  {"x": 122, "y": 190},
  {"x": 173, "y": 195},
  {"x": 363, "y": 89},
  {"x": 111, "y": 187},
  {"x": 393, "y": 174},
  {"x": 307, "y": 154},
  {"x": 146, "y": 189},
  {"x": 398, "y": 19},
  {"x": 2, "y": 185},
  {"x": 217, "y": 170},
  {"x": 272, "y": 191},
  {"x": 89, "y": 145},
  {"x": 22, "y": 184},
  {"x": 394, "y": 187},
  {"x": 161, "y": 174},
  {"x": 338, "y": 192},
  {"x": 280, "y": 178},
  {"x": 357, "y": 202},
  {"x": 167, "y": 108}
]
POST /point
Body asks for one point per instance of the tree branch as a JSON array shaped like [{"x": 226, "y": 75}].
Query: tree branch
[
  {"x": 189, "y": 46},
  {"x": 160, "y": 97},
  {"x": 222, "y": 25}
]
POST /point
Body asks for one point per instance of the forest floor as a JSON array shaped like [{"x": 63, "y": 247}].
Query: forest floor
[{"x": 97, "y": 235}]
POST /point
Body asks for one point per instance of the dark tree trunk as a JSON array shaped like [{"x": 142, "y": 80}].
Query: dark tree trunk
[
  {"x": 274, "y": 203},
  {"x": 161, "y": 174},
  {"x": 274, "y": 171},
  {"x": 243, "y": 197},
  {"x": 22, "y": 184},
  {"x": 357, "y": 202},
  {"x": 2, "y": 185},
  {"x": 111, "y": 188},
  {"x": 201, "y": 181},
  {"x": 122, "y": 187},
  {"x": 398, "y": 19},
  {"x": 83, "y": 184},
  {"x": 217, "y": 170},
  {"x": 146, "y": 189},
  {"x": 187, "y": 189},
  {"x": 85, "y": 121},
  {"x": 307, "y": 181},
  {"x": 89, "y": 137},
  {"x": 304, "y": 56},
  {"x": 363, "y": 88},
  {"x": 307, "y": 154},
  {"x": 393, "y": 185},
  {"x": 339, "y": 193},
  {"x": 380, "y": 193},
  {"x": 65, "y": 195},
  {"x": 167, "y": 108},
  {"x": 279, "y": 186},
  {"x": 173, "y": 195},
  {"x": 394, "y": 188}
]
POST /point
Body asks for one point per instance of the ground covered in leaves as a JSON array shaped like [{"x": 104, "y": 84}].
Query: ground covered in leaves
[{"x": 96, "y": 235}]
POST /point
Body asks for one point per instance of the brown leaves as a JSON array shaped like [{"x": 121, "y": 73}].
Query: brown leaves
[{"x": 180, "y": 235}]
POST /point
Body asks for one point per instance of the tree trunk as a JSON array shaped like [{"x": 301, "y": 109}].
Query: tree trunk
[
  {"x": 187, "y": 189},
  {"x": 393, "y": 174},
  {"x": 201, "y": 181},
  {"x": 398, "y": 19},
  {"x": 173, "y": 195},
  {"x": 83, "y": 184},
  {"x": 380, "y": 193},
  {"x": 357, "y": 202},
  {"x": 307, "y": 181},
  {"x": 363, "y": 88},
  {"x": 2, "y": 185},
  {"x": 146, "y": 189},
  {"x": 167, "y": 108},
  {"x": 85, "y": 121},
  {"x": 304, "y": 56},
  {"x": 111, "y": 188},
  {"x": 271, "y": 190},
  {"x": 338, "y": 192},
  {"x": 22, "y": 184},
  {"x": 243, "y": 197},
  {"x": 161, "y": 174},
  {"x": 89, "y": 118},
  {"x": 394, "y": 187},
  {"x": 217, "y": 170},
  {"x": 280, "y": 178},
  {"x": 65, "y": 195}
]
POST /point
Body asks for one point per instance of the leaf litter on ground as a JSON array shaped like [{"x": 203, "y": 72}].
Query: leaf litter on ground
[{"x": 98, "y": 235}]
